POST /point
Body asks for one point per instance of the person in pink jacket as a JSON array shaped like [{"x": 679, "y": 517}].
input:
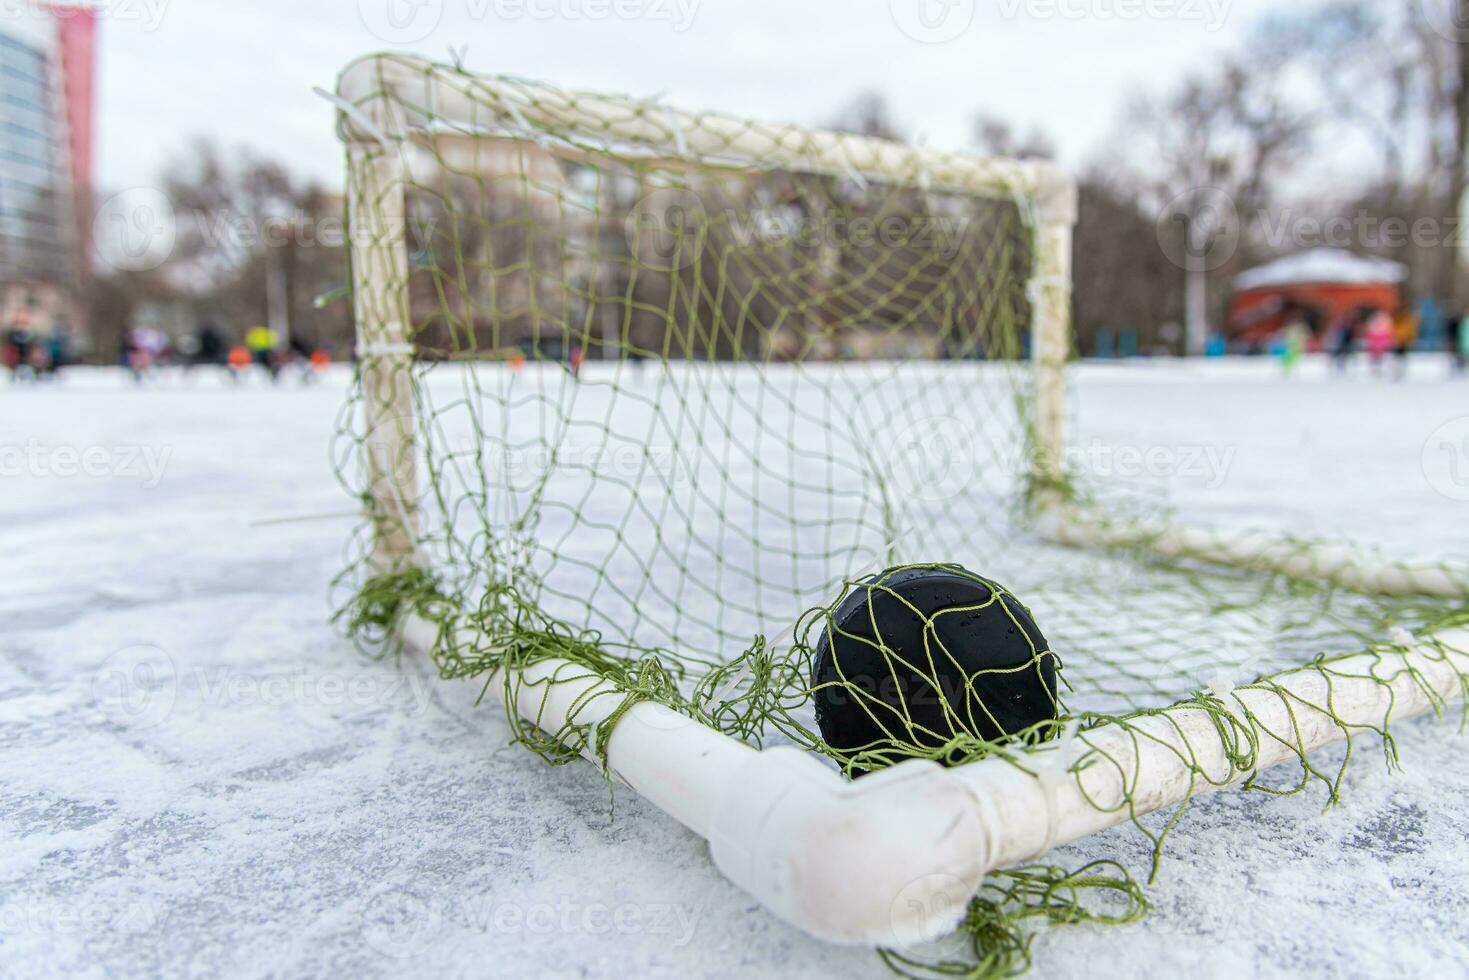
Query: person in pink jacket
[{"x": 1379, "y": 338}]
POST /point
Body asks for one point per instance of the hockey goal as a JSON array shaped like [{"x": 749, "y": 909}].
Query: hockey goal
[{"x": 647, "y": 396}]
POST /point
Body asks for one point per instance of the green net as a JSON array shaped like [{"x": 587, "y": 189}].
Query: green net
[{"x": 664, "y": 389}]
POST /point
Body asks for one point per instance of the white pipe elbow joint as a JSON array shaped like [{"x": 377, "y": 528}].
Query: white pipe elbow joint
[{"x": 891, "y": 859}]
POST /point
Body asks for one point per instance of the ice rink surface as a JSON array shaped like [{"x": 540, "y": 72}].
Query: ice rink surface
[{"x": 200, "y": 777}]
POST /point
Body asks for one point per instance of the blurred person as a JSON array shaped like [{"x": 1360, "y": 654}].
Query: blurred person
[
  {"x": 303, "y": 355},
  {"x": 13, "y": 353},
  {"x": 321, "y": 359},
  {"x": 1405, "y": 335},
  {"x": 575, "y": 360},
  {"x": 238, "y": 362},
  {"x": 40, "y": 362},
  {"x": 208, "y": 346},
  {"x": 1342, "y": 338},
  {"x": 58, "y": 354},
  {"x": 262, "y": 343},
  {"x": 1379, "y": 339},
  {"x": 187, "y": 350},
  {"x": 134, "y": 358},
  {"x": 18, "y": 346},
  {"x": 1461, "y": 351},
  {"x": 1293, "y": 344},
  {"x": 144, "y": 347}
]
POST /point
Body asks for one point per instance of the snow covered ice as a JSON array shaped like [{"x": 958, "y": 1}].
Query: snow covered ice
[{"x": 200, "y": 776}]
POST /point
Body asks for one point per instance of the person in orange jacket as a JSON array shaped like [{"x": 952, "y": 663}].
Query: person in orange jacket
[
  {"x": 239, "y": 361},
  {"x": 1404, "y": 336}
]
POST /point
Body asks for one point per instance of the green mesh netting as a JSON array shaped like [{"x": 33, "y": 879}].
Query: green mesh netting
[{"x": 677, "y": 385}]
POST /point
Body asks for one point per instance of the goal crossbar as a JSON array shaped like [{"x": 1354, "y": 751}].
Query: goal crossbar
[{"x": 401, "y": 97}]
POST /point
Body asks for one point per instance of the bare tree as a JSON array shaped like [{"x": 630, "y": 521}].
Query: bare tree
[
  {"x": 247, "y": 227},
  {"x": 1207, "y": 159},
  {"x": 1397, "y": 75},
  {"x": 996, "y": 137},
  {"x": 868, "y": 115}
]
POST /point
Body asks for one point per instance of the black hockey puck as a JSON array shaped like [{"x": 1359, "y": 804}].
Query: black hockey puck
[{"x": 920, "y": 654}]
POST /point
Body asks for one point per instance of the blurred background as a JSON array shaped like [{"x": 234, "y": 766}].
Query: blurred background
[{"x": 1255, "y": 177}]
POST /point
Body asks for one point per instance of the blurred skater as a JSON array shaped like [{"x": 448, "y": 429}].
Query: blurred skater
[
  {"x": 146, "y": 350},
  {"x": 1461, "y": 343},
  {"x": 15, "y": 353},
  {"x": 58, "y": 353},
  {"x": 208, "y": 347},
  {"x": 239, "y": 362},
  {"x": 1293, "y": 343},
  {"x": 1342, "y": 339},
  {"x": 1378, "y": 339},
  {"x": 1405, "y": 335},
  {"x": 262, "y": 343},
  {"x": 304, "y": 359},
  {"x": 321, "y": 359}
]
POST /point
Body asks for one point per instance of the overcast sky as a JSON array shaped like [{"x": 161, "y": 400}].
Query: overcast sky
[{"x": 241, "y": 71}]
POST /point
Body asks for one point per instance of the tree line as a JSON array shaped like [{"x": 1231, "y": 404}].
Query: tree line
[{"x": 1342, "y": 123}]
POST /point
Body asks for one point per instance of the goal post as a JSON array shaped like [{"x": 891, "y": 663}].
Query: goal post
[
  {"x": 620, "y": 472},
  {"x": 893, "y": 859},
  {"x": 379, "y": 261}
]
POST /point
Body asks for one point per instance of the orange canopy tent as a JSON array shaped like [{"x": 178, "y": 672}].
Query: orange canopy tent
[{"x": 1324, "y": 283}]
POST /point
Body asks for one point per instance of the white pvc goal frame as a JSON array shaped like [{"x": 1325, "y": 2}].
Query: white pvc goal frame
[{"x": 893, "y": 858}]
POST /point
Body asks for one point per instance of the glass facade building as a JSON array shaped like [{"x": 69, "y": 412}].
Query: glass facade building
[{"x": 36, "y": 220}]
